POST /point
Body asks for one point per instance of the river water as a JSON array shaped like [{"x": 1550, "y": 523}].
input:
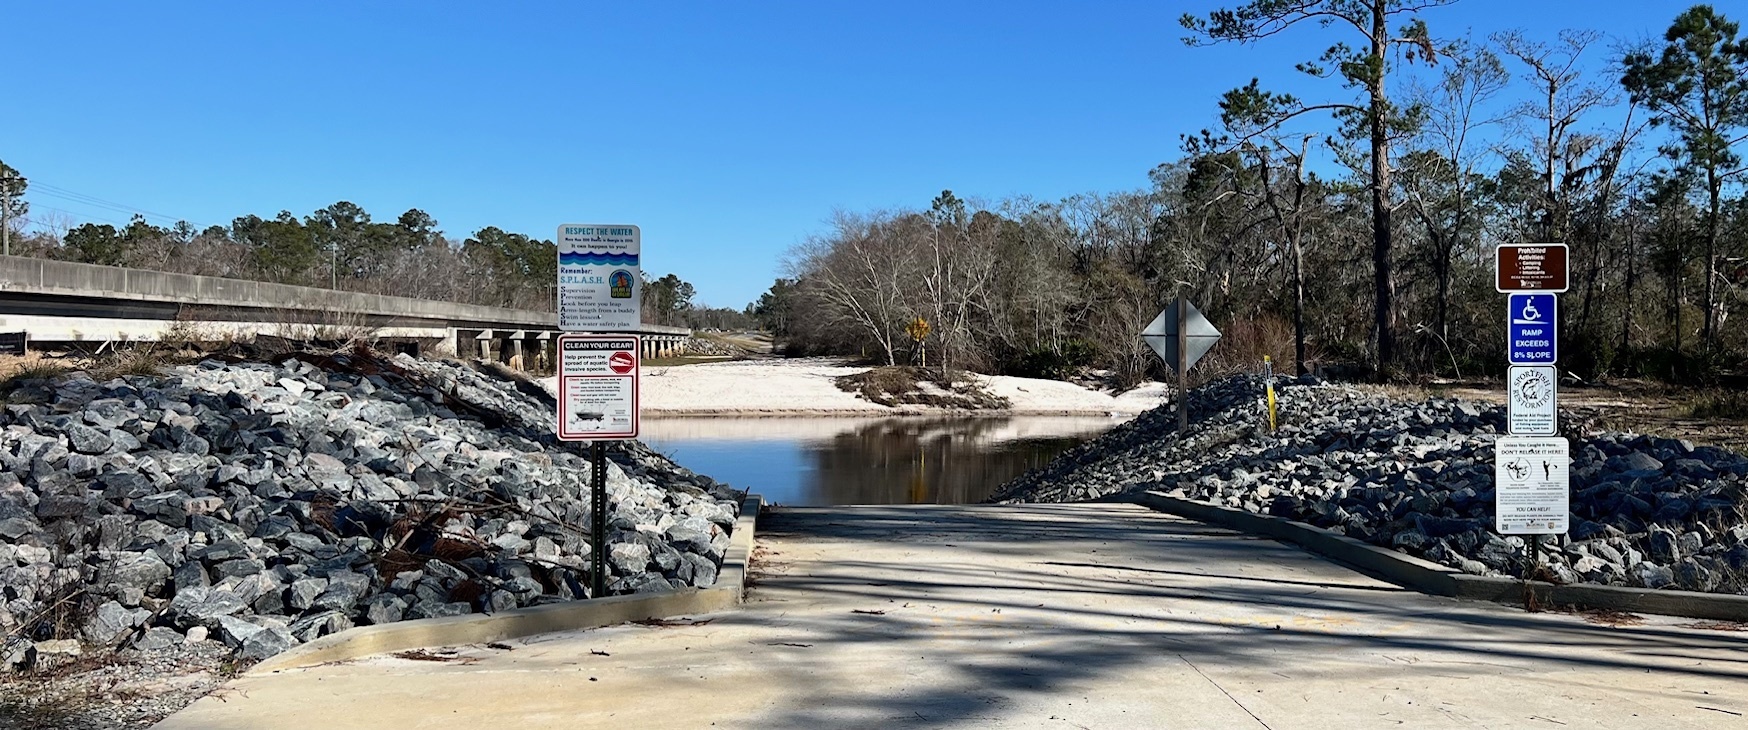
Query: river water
[{"x": 824, "y": 461}]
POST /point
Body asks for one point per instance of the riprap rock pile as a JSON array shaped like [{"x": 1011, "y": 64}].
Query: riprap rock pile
[
  {"x": 1418, "y": 477},
  {"x": 265, "y": 505}
]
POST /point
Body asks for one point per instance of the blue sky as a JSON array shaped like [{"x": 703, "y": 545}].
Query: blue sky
[{"x": 727, "y": 131}]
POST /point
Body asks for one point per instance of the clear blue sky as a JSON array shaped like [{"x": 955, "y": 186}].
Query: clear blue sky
[{"x": 728, "y": 131}]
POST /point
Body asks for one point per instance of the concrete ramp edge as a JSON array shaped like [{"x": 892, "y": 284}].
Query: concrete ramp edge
[
  {"x": 362, "y": 641},
  {"x": 1440, "y": 580}
]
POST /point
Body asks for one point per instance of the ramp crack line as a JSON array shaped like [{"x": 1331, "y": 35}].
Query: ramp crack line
[{"x": 1224, "y": 692}]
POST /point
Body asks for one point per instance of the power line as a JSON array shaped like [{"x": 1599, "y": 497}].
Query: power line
[
  {"x": 71, "y": 213},
  {"x": 73, "y": 196},
  {"x": 76, "y": 196},
  {"x": 130, "y": 212}
]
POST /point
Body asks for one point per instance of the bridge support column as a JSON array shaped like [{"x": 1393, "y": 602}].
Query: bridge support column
[
  {"x": 483, "y": 344},
  {"x": 449, "y": 346},
  {"x": 545, "y": 345}
]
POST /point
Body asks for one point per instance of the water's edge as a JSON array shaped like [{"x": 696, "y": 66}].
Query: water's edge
[{"x": 821, "y": 460}]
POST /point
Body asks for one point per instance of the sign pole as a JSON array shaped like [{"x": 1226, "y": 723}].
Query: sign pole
[
  {"x": 1532, "y": 478},
  {"x": 1171, "y": 338},
  {"x": 1183, "y": 367},
  {"x": 597, "y": 519},
  {"x": 599, "y": 290}
]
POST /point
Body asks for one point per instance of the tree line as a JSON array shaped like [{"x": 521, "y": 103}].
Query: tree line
[
  {"x": 1354, "y": 230},
  {"x": 342, "y": 247}
]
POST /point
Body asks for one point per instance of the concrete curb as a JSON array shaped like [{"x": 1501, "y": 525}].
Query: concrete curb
[
  {"x": 477, "y": 628},
  {"x": 1439, "y": 580}
]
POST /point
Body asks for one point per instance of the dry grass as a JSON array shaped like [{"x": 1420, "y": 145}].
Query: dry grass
[
  {"x": 30, "y": 368},
  {"x": 1611, "y": 617},
  {"x": 690, "y": 360},
  {"x": 1717, "y": 626},
  {"x": 1725, "y": 404},
  {"x": 441, "y": 655}
]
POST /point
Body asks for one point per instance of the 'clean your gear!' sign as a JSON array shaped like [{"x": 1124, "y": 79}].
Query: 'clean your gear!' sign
[{"x": 597, "y": 387}]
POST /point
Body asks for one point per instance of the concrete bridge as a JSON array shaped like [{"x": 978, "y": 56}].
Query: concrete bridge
[{"x": 59, "y": 303}]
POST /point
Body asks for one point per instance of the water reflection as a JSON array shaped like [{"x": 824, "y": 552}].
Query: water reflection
[{"x": 815, "y": 461}]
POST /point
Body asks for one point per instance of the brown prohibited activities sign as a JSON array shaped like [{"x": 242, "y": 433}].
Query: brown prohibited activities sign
[{"x": 1532, "y": 267}]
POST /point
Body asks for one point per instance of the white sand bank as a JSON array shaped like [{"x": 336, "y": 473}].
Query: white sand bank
[{"x": 805, "y": 387}]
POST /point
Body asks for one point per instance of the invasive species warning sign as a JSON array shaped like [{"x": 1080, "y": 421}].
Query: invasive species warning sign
[
  {"x": 1532, "y": 491},
  {"x": 1532, "y": 393},
  {"x": 597, "y": 387},
  {"x": 1531, "y": 267},
  {"x": 1532, "y": 329},
  {"x": 599, "y": 280}
]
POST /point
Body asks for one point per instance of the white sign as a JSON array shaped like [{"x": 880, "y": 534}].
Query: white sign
[
  {"x": 1532, "y": 491},
  {"x": 597, "y": 387},
  {"x": 1531, "y": 399},
  {"x": 600, "y": 285}
]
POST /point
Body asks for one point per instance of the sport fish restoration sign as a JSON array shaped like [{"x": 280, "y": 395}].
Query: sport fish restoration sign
[
  {"x": 597, "y": 387},
  {"x": 600, "y": 285}
]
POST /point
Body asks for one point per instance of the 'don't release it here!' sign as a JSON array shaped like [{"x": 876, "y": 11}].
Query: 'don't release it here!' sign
[{"x": 600, "y": 283}]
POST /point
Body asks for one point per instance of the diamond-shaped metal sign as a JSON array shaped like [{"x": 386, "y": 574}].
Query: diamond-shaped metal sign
[{"x": 1199, "y": 335}]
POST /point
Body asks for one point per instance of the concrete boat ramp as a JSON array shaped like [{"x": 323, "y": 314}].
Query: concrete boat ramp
[{"x": 1040, "y": 616}]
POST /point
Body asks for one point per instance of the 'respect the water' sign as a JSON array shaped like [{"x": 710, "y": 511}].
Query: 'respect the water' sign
[
  {"x": 1532, "y": 329},
  {"x": 599, "y": 281}
]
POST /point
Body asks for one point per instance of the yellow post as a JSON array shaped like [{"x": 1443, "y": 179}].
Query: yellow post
[{"x": 1269, "y": 369}]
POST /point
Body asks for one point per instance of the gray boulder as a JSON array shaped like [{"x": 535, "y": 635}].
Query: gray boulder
[
  {"x": 265, "y": 643},
  {"x": 158, "y": 638},
  {"x": 145, "y": 572},
  {"x": 110, "y": 623}
]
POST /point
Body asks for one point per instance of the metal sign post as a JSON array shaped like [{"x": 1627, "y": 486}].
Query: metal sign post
[
  {"x": 1183, "y": 368},
  {"x": 599, "y": 290},
  {"x": 1180, "y": 335},
  {"x": 597, "y": 519},
  {"x": 1531, "y": 466},
  {"x": 597, "y": 402}
]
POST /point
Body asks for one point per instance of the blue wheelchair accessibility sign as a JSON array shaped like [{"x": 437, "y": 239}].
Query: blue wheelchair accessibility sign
[{"x": 1533, "y": 330}]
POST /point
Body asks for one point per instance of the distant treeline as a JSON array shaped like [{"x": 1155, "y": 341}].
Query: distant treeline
[
  {"x": 1359, "y": 227},
  {"x": 342, "y": 247}
]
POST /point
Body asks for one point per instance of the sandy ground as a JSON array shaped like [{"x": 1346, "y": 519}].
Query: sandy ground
[
  {"x": 805, "y": 387},
  {"x": 1633, "y": 406},
  {"x": 820, "y": 428}
]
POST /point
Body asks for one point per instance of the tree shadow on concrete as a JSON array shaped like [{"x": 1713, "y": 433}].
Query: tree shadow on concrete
[{"x": 1106, "y": 618}]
